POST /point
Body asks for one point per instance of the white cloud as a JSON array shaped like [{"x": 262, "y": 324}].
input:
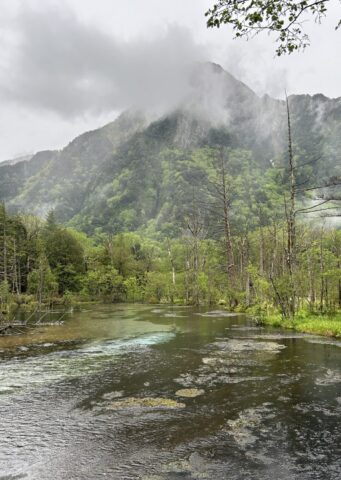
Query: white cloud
[{"x": 68, "y": 65}]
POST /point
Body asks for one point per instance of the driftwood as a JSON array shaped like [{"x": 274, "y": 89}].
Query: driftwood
[{"x": 5, "y": 328}]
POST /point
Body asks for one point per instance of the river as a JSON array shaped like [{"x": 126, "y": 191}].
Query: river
[{"x": 155, "y": 393}]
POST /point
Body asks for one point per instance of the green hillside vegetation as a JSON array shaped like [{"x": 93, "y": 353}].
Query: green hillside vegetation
[{"x": 139, "y": 171}]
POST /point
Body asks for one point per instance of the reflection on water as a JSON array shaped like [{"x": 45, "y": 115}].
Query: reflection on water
[{"x": 138, "y": 392}]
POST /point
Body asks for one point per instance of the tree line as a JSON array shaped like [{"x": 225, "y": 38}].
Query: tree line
[{"x": 43, "y": 263}]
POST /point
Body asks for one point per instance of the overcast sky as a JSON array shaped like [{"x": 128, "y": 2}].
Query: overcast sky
[{"x": 67, "y": 66}]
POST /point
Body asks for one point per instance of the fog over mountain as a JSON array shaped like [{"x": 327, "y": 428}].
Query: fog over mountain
[
  {"x": 101, "y": 72},
  {"x": 142, "y": 167},
  {"x": 70, "y": 66}
]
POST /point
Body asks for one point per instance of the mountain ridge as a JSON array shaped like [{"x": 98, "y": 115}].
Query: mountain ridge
[{"x": 115, "y": 172}]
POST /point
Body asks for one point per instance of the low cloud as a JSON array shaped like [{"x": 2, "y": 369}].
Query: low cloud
[{"x": 61, "y": 65}]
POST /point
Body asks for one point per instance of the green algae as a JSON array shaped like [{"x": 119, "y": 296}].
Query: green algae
[
  {"x": 189, "y": 392},
  {"x": 145, "y": 402}
]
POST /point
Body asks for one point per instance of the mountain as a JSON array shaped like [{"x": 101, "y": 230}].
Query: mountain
[
  {"x": 58, "y": 179},
  {"x": 141, "y": 170}
]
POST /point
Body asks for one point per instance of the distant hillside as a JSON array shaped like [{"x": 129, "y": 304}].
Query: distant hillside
[
  {"x": 13, "y": 161},
  {"x": 135, "y": 172},
  {"x": 58, "y": 179}
]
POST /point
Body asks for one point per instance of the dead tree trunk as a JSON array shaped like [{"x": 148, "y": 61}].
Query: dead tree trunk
[{"x": 291, "y": 222}]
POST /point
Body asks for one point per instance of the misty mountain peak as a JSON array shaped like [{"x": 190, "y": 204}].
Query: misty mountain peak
[{"x": 113, "y": 175}]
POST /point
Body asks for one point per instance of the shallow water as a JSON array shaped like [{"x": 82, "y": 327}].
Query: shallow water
[{"x": 151, "y": 393}]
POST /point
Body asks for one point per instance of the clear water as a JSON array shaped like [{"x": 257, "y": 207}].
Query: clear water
[{"x": 75, "y": 398}]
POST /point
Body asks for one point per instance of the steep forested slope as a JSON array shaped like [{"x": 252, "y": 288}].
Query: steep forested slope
[
  {"x": 137, "y": 173},
  {"x": 58, "y": 179}
]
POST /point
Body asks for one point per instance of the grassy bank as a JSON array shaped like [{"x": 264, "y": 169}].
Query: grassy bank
[{"x": 328, "y": 324}]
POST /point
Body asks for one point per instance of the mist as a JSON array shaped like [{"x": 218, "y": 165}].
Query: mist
[
  {"x": 64, "y": 66},
  {"x": 71, "y": 66}
]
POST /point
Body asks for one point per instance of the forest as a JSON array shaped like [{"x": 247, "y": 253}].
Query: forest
[{"x": 249, "y": 240}]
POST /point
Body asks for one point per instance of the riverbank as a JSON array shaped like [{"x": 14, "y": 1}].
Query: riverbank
[{"x": 328, "y": 325}]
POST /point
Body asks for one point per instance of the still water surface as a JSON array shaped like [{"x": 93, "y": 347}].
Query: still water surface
[{"x": 103, "y": 395}]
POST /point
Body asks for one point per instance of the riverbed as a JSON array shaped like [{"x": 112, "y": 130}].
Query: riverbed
[{"x": 158, "y": 392}]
